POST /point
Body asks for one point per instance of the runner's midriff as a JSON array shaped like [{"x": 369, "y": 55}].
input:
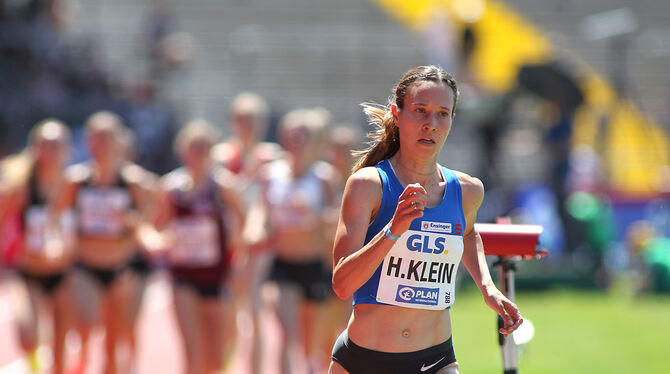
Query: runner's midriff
[{"x": 400, "y": 330}]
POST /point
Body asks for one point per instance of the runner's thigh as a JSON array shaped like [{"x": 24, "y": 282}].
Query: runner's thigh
[
  {"x": 336, "y": 368},
  {"x": 449, "y": 369}
]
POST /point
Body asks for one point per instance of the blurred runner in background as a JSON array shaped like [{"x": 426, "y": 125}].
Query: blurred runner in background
[
  {"x": 107, "y": 195},
  {"x": 343, "y": 139},
  {"x": 31, "y": 180},
  {"x": 140, "y": 265},
  {"x": 243, "y": 153},
  {"x": 297, "y": 190},
  {"x": 200, "y": 215}
]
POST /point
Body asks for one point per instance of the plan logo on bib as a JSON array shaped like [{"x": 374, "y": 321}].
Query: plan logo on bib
[
  {"x": 444, "y": 227},
  {"x": 417, "y": 295}
]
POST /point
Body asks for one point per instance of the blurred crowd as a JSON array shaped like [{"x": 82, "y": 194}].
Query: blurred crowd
[
  {"x": 111, "y": 186},
  {"x": 241, "y": 226},
  {"x": 48, "y": 72}
]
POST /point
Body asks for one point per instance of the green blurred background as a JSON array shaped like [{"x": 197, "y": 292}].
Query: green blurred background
[{"x": 575, "y": 332}]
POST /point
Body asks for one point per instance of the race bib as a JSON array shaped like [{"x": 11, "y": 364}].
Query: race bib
[
  {"x": 420, "y": 270},
  {"x": 102, "y": 211},
  {"x": 197, "y": 242},
  {"x": 35, "y": 225},
  {"x": 294, "y": 217}
]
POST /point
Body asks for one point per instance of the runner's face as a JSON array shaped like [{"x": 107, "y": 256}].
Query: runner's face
[
  {"x": 197, "y": 153},
  {"x": 104, "y": 146},
  {"x": 296, "y": 140},
  {"x": 245, "y": 126},
  {"x": 425, "y": 121},
  {"x": 50, "y": 151}
]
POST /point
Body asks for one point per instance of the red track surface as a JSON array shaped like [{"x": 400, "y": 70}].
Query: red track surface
[{"x": 159, "y": 345}]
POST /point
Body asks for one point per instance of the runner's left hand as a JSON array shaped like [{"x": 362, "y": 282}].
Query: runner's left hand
[{"x": 505, "y": 308}]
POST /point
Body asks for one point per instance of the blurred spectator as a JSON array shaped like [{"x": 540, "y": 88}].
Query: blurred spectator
[
  {"x": 154, "y": 124},
  {"x": 46, "y": 73},
  {"x": 537, "y": 205},
  {"x": 650, "y": 257},
  {"x": 167, "y": 48}
]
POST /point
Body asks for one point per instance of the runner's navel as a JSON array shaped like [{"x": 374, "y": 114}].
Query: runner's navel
[{"x": 405, "y": 333}]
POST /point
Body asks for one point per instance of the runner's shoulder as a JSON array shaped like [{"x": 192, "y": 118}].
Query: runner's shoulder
[
  {"x": 174, "y": 180},
  {"x": 78, "y": 173},
  {"x": 136, "y": 174},
  {"x": 365, "y": 183},
  {"x": 472, "y": 189},
  {"x": 225, "y": 178}
]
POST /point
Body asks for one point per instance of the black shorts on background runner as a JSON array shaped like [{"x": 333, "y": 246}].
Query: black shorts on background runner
[{"x": 311, "y": 277}]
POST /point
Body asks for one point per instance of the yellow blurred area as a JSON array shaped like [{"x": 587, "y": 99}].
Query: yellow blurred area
[
  {"x": 634, "y": 148},
  {"x": 505, "y": 41},
  {"x": 635, "y": 151}
]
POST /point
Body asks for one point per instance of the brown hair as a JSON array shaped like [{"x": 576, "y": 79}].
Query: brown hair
[
  {"x": 193, "y": 130},
  {"x": 16, "y": 169},
  {"x": 105, "y": 121},
  {"x": 250, "y": 103},
  {"x": 50, "y": 128},
  {"x": 385, "y": 137}
]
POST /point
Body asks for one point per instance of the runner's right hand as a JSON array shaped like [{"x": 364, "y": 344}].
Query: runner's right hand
[{"x": 411, "y": 204}]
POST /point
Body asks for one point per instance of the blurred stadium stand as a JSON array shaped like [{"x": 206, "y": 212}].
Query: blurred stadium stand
[
  {"x": 295, "y": 52},
  {"x": 337, "y": 54}
]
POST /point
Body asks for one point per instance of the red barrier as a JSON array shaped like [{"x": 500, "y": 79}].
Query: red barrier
[
  {"x": 508, "y": 239},
  {"x": 509, "y": 242}
]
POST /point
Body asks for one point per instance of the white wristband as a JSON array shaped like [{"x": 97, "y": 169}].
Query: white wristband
[{"x": 389, "y": 234}]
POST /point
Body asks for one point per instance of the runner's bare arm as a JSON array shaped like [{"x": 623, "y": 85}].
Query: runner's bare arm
[
  {"x": 143, "y": 184},
  {"x": 475, "y": 261},
  {"x": 227, "y": 182},
  {"x": 256, "y": 235},
  {"x": 64, "y": 198},
  {"x": 355, "y": 263},
  {"x": 14, "y": 175},
  {"x": 228, "y": 187},
  {"x": 10, "y": 200},
  {"x": 472, "y": 191},
  {"x": 330, "y": 211},
  {"x": 164, "y": 210},
  {"x": 150, "y": 234},
  {"x": 74, "y": 176}
]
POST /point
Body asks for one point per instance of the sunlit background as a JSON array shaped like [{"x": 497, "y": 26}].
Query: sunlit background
[{"x": 564, "y": 114}]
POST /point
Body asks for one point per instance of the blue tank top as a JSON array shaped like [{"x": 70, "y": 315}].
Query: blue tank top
[{"x": 420, "y": 269}]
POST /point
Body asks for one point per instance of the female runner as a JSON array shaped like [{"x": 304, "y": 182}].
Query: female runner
[
  {"x": 406, "y": 223},
  {"x": 201, "y": 212},
  {"x": 243, "y": 153},
  {"x": 43, "y": 266},
  {"x": 298, "y": 192},
  {"x": 106, "y": 195}
]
